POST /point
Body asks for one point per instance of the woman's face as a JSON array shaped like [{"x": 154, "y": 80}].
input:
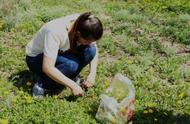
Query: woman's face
[{"x": 84, "y": 41}]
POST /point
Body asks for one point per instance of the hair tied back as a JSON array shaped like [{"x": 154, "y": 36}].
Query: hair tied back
[{"x": 91, "y": 16}]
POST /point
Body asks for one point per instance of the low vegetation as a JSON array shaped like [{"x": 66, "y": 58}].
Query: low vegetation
[{"x": 145, "y": 40}]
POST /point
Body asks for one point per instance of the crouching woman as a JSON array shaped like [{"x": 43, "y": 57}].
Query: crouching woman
[{"x": 61, "y": 49}]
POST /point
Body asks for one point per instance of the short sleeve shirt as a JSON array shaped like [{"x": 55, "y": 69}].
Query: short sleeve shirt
[{"x": 52, "y": 36}]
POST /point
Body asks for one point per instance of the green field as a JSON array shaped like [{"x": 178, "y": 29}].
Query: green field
[{"x": 146, "y": 40}]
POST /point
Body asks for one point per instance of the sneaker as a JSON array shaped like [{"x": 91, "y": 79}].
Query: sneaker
[
  {"x": 78, "y": 80},
  {"x": 37, "y": 90}
]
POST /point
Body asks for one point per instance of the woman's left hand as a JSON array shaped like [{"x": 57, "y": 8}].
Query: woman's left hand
[{"x": 89, "y": 82}]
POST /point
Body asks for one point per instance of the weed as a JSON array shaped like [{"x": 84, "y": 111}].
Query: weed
[{"x": 137, "y": 34}]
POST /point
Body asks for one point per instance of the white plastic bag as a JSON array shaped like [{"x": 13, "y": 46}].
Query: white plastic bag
[{"x": 117, "y": 104}]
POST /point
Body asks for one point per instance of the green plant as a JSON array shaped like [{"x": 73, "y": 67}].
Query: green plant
[{"x": 136, "y": 38}]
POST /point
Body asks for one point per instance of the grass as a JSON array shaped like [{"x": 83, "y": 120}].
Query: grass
[{"x": 147, "y": 41}]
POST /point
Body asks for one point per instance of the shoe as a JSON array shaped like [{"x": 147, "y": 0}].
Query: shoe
[
  {"x": 37, "y": 90},
  {"x": 78, "y": 80}
]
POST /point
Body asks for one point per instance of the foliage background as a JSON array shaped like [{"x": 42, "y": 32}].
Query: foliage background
[{"x": 145, "y": 40}]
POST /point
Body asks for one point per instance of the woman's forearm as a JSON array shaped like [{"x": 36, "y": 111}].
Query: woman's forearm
[
  {"x": 50, "y": 70},
  {"x": 93, "y": 65},
  {"x": 57, "y": 76}
]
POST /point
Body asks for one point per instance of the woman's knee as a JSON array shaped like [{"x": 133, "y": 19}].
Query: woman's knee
[
  {"x": 68, "y": 67},
  {"x": 89, "y": 53},
  {"x": 35, "y": 63}
]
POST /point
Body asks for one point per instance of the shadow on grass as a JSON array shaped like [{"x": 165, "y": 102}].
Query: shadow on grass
[
  {"x": 154, "y": 116},
  {"x": 24, "y": 79},
  {"x": 71, "y": 98}
]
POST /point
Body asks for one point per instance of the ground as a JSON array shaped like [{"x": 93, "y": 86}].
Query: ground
[{"x": 147, "y": 41}]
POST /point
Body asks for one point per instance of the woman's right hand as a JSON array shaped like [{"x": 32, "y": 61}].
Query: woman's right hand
[
  {"x": 50, "y": 69},
  {"x": 77, "y": 90}
]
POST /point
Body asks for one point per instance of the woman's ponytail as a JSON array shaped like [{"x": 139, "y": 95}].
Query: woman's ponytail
[
  {"x": 72, "y": 33},
  {"x": 89, "y": 26}
]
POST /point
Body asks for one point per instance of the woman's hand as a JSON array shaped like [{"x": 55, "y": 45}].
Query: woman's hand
[
  {"x": 77, "y": 90},
  {"x": 89, "y": 82},
  {"x": 56, "y": 75}
]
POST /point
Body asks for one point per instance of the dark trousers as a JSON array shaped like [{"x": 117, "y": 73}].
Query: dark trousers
[{"x": 68, "y": 63}]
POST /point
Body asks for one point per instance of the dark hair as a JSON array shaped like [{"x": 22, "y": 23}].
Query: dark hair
[{"x": 90, "y": 28}]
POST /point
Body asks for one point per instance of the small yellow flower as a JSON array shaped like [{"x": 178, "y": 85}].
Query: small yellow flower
[
  {"x": 145, "y": 111},
  {"x": 165, "y": 113},
  {"x": 179, "y": 102},
  {"x": 14, "y": 100},
  {"x": 150, "y": 111},
  {"x": 151, "y": 105},
  {"x": 130, "y": 62},
  {"x": 1, "y": 24},
  {"x": 155, "y": 119},
  {"x": 20, "y": 92},
  {"x": 28, "y": 83},
  {"x": 28, "y": 99},
  {"x": 122, "y": 109},
  {"x": 55, "y": 96},
  {"x": 106, "y": 83},
  {"x": 113, "y": 120},
  {"x": 181, "y": 95},
  {"x": 4, "y": 121},
  {"x": 6, "y": 92}
]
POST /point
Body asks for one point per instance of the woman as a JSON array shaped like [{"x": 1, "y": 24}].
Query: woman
[{"x": 59, "y": 51}]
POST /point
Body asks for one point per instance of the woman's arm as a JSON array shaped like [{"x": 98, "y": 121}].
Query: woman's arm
[
  {"x": 93, "y": 65},
  {"x": 92, "y": 75},
  {"x": 50, "y": 69}
]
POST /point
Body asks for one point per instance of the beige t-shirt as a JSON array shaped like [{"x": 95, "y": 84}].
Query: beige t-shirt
[{"x": 52, "y": 36}]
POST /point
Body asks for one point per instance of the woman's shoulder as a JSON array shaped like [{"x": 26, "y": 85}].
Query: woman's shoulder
[
  {"x": 71, "y": 17},
  {"x": 60, "y": 23},
  {"x": 64, "y": 19}
]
